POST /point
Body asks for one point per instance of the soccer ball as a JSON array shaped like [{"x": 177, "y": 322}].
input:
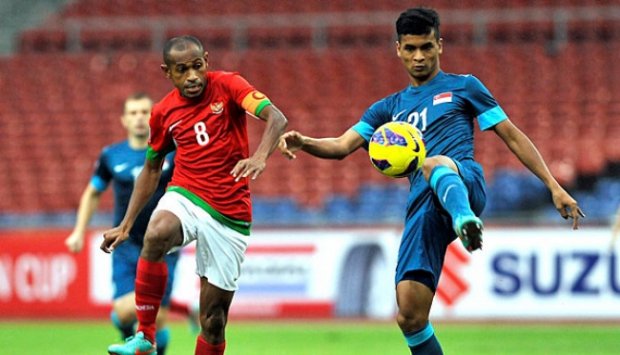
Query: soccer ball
[{"x": 396, "y": 149}]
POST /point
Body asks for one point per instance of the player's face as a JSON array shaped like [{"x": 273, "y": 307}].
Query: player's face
[
  {"x": 420, "y": 56},
  {"x": 187, "y": 71},
  {"x": 136, "y": 117}
]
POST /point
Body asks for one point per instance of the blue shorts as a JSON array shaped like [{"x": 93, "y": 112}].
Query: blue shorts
[
  {"x": 428, "y": 229},
  {"x": 124, "y": 264}
]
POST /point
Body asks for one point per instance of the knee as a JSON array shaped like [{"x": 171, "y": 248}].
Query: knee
[
  {"x": 158, "y": 240},
  {"x": 430, "y": 163},
  {"x": 213, "y": 324},
  {"x": 439, "y": 160},
  {"x": 411, "y": 321}
]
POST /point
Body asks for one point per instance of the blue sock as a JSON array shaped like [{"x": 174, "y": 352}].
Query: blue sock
[
  {"x": 451, "y": 192},
  {"x": 126, "y": 330},
  {"x": 162, "y": 338},
  {"x": 424, "y": 342}
]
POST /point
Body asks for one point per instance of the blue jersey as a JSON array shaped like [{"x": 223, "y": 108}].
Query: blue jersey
[
  {"x": 444, "y": 111},
  {"x": 120, "y": 164}
]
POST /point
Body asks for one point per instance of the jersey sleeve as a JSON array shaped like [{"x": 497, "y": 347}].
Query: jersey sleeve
[
  {"x": 160, "y": 140},
  {"x": 376, "y": 115},
  {"x": 102, "y": 175},
  {"x": 486, "y": 109},
  {"x": 246, "y": 96}
]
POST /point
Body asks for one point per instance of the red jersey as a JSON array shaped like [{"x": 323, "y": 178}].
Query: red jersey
[{"x": 210, "y": 137}]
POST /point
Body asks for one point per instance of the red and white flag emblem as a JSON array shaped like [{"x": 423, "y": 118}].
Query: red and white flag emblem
[{"x": 442, "y": 98}]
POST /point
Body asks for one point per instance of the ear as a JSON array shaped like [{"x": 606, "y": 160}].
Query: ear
[
  {"x": 124, "y": 121},
  {"x": 440, "y": 43},
  {"x": 398, "y": 49},
  {"x": 206, "y": 57},
  {"x": 166, "y": 70}
]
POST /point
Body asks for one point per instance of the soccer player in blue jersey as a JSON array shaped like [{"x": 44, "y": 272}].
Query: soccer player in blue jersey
[
  {"x": 119, "y": 164},
  {"x": 448, "y": 194}
]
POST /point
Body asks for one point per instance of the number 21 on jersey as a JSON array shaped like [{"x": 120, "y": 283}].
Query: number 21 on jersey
[{"x": 418, "y": 119}]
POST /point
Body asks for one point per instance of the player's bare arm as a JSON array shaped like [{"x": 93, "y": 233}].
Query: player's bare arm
[
  {"x": 145, "y": 186},
  {"x": 254, "y": 165},
  {"x": 327, "y": 148},
  {"x": 88, "y": 205},
  {"x": 527, "y": 153}
]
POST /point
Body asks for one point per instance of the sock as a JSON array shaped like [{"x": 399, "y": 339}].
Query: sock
[
  {"x": 451, "y": 192},
  {"x": 423, "y": 341},
  {"x": 151, "y": 278},
  {"x": 162, "y": 337},
  {"x": 204, "y": 348},
  {"x": 126, "y": 330}
]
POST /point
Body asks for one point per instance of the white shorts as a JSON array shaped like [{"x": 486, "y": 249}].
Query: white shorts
[{"x": 220, "y": 250}]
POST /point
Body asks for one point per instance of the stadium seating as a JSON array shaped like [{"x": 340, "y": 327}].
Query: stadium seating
[
  {"x": 74, "y": 100},
  {"x": 91, "y": 8}
]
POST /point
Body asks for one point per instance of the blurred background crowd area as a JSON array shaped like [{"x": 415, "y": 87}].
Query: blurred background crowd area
[{"x": 67, "y": 66}]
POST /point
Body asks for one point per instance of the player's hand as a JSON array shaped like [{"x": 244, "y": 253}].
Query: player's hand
[
  {"x": 251, "y": 167},
  {"x": 567, "y": 206},
  {"x": 75, "y": 242},
  {"x": 290, "y": 142},
  {"x": 113, "y": 237}
]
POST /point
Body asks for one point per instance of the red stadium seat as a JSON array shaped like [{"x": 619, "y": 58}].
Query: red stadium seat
[
  {"x": 276, "y": 37},
  {"x": 43, "y": 40},
  {"x": 98, "y": 40},
  {"x": 211, "y": 38}
]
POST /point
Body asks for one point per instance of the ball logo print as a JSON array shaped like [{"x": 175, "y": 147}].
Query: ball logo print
[{"x": 397, "y": 149}]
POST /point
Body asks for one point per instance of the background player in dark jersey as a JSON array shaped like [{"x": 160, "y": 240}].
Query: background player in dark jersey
[
  {"x": 448, "y": 194},
  {"x": 208, "y": 199},
  {"x": 120, "y": 164}
]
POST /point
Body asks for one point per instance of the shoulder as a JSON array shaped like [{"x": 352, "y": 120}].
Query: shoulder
[
  {"x": 110, "y": 152},
  {"x": 458, "y": 80},
  {"x": 467, "y": 83},
  {"x": 464, "y": 80},
  {"x": 164, "y": 106},
  {"x": 389, "y": 101},
  {"x": 165, "y": 102}
]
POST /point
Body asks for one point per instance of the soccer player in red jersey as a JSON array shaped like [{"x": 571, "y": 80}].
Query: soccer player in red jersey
[{"x": 208, "y": 198}]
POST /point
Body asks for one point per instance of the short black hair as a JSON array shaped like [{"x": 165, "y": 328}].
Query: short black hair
[
  {"x": 180, "y": 43},
  {"x": 418, "y": 21}
]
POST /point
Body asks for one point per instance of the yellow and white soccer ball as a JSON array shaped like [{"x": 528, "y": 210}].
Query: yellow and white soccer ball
[{"x": 396, "y": 149}]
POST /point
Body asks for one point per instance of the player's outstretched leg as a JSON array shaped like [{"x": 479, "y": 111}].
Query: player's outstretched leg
[
  {"x": 135, "y": 345},
  {"x": 453, "y": 196}
]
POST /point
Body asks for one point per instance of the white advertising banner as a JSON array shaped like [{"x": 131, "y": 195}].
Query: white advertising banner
[
  {"x": 541, "y": 273},
  {"x": 534, "y": 273}
]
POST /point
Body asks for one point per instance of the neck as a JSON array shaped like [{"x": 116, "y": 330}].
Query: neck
[
  {"x": 421, "y": 81},
  {"x": 138, "y": 142}
]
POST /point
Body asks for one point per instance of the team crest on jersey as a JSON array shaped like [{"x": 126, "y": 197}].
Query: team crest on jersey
[
  {"x": 442, "y": 98},
  {"x": 217, "y": 107}
]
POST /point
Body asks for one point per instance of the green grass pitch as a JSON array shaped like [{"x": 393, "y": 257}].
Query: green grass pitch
[{"x": 322, "y": 338}]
